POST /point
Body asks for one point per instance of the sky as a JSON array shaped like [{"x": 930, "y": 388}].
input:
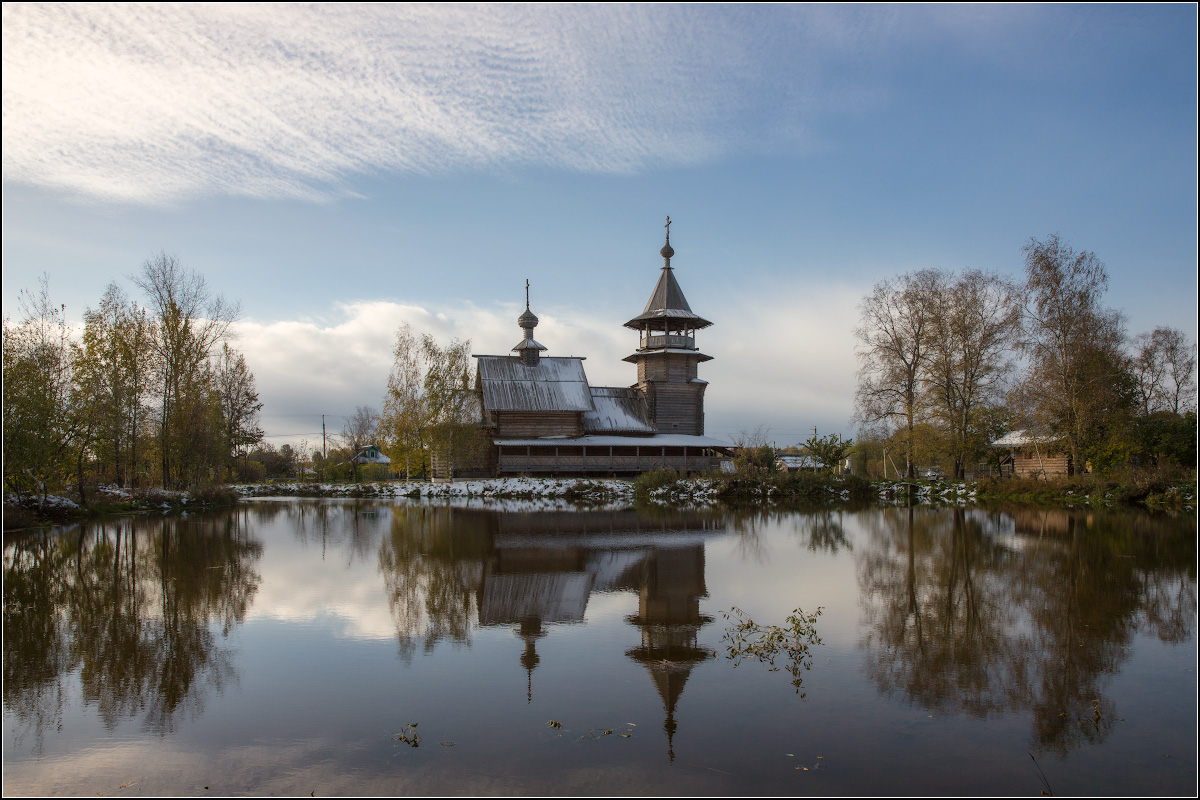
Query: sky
[{"x": 341, "y": 170}]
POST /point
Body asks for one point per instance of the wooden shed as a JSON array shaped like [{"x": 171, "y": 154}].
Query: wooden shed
[{"x": 1032, "y": 456}]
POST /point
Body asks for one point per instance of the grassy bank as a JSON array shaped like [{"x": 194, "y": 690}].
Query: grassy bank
[{"x": 1151, "y": 489}]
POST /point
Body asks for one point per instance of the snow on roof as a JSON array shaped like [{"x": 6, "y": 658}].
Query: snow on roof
[
  {"x": 372, "y": 455},
  {"x": 660, "y": 440},
  {"x": 1020, "y": 438},
  {"x": 553, "y": 384},
  {"x": 617, "y": 410},
  {"x": 798, "y": 461}
]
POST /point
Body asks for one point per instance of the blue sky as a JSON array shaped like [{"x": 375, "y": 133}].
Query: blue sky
[{"x": 342, "y": 169}]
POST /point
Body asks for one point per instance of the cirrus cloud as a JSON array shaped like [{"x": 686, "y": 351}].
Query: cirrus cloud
[{"x": 156, "y": 103}]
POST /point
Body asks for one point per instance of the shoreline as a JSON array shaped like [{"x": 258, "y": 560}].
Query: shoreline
[{"x": 795, "y": 490}]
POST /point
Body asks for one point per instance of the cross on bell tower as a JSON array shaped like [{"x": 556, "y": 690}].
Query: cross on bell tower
[{"x": 666, "y": 357}]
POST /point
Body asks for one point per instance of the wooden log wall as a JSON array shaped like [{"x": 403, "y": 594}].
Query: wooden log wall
[
  {"x": 677, "y": 408},
  {"x": 673, "y": 367},
  {"x": 601, "y": 460},
  {"x": 529, "y": 424},
  {"x": 1028, "y": 465}
]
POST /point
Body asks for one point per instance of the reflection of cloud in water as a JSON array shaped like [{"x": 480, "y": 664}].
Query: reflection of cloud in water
[
  {"x": 298, "y": 588},
  {"x": 312, "y": 766}
]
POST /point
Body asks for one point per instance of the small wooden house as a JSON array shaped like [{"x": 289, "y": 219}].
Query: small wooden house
[
  {"x": 545, "y": 418},
  {"x": 1032, "y": 456},
  {"x": 371, "y": 455},
  {"x": 796, "y": 462}
]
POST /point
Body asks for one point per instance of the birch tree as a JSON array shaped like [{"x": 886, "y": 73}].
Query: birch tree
[
  {"x": 454, "y": 432},
  {"x": 405, "y": 414},
  {"x": 1074, "y": 344},
  {"x": 429, "y": 405}
]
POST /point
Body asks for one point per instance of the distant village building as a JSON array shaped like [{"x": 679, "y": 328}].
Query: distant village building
[
  {"x": 371, "y": 455},
  {"x": 543, "y": 417},
  {"x": 1032, "y": 456},
  {"x": 802, "y": 462}
]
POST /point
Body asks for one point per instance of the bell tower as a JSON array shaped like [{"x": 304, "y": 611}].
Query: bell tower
[{"x": 666, "y": 357}]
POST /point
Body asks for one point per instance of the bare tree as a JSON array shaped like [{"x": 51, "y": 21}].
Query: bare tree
[
  {"x": 1164, "y": 364},
  {"x": 976, "y": 320},
  {"x": 894, "y": 336},
  {"x": 359, "y": 432},
  {"x": 755, "y": 453},
  {"x": 1146, "y": 364},
  {"x": 190, "y": 323},
  {"x": 239, "y": 404}
]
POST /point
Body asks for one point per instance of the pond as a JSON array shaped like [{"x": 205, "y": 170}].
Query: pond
[{"x": 345, "y": 647}]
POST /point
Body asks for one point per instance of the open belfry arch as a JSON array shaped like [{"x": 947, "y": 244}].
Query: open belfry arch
[{"x": 545, "y": 418}]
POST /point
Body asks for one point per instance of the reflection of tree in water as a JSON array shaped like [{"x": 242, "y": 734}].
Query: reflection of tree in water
[
  {"x": 822, "y": 531},
  {"x": 939, "y": 634},
  {"x": 36, "y": 645},
  {"x": 130, "y": 604},
  {"x": 960, "y": 619},
  {"x": 344, "y": 527},
  {"x": 818, "y": 531},
  {"x": 431, "y": 562},
  {"x": 748, "y": 527}
]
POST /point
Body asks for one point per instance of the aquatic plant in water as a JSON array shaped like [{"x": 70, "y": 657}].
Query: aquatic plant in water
[{"x": 746, "y": 639}]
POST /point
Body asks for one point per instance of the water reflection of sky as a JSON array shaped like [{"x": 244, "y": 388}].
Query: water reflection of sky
[{"x": 953, "y": 645}]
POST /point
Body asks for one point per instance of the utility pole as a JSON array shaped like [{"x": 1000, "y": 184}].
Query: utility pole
[{"x": 324, "y": 456}]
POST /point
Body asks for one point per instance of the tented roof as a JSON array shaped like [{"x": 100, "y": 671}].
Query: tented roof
[{"x": 667, "y": 307}]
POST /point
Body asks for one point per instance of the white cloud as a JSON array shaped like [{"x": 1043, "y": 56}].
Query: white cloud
[
  {"x": 155, "y": 103},
  {"x": 784, "y": 367}
]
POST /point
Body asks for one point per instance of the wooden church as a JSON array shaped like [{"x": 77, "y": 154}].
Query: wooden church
[{"x": 544, "y": 418}]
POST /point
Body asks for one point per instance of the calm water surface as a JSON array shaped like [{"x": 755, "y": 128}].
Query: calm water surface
[{"x": 282, "y": 647}]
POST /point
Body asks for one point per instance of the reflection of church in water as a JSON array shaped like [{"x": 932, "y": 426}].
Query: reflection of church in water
[{"x": 545, "y": 566}]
